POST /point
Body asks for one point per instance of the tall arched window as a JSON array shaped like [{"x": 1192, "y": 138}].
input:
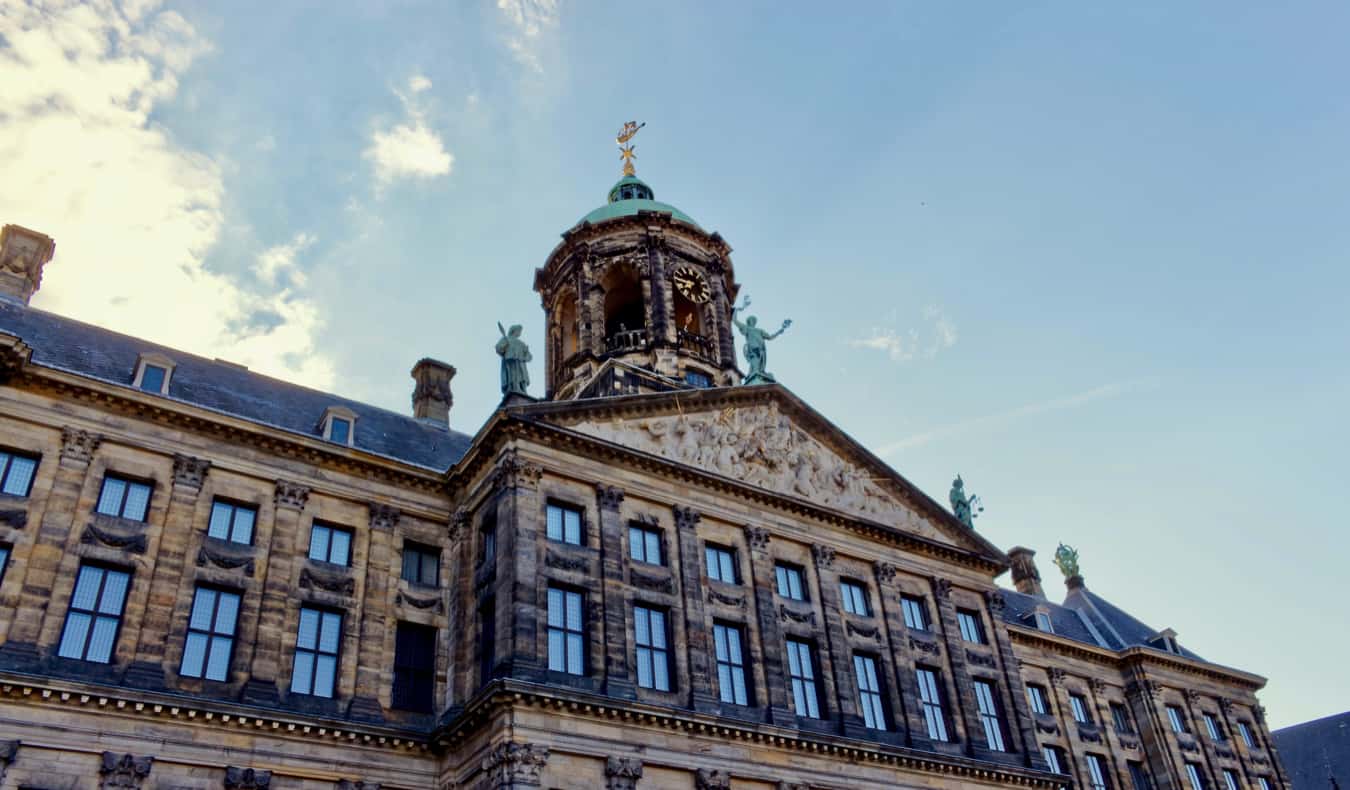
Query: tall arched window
[{"x": 625, "y": 311}]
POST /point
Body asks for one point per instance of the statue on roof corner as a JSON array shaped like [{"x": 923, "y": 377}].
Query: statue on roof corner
[
  {"x": 965, "y": 508},
  {"x": 515, "y": 360},
  {"x": 755, "y": 350},
  {"x": 1066, "y": 559}
]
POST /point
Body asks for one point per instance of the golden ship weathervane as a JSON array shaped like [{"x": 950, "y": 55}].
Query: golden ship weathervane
[{"x": 626, "y": 151}]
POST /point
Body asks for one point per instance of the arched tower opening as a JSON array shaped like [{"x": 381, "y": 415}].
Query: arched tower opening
[{"x": 625, "y": 309}]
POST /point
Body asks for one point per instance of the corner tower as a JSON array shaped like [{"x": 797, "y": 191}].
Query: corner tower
[{"x": 637, "y": 297}]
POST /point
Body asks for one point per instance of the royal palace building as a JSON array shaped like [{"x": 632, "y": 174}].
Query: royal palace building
[{"x": 657, "y": 575}]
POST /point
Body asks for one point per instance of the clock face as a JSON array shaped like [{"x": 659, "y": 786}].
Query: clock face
[{"x": 691, "y": 284}]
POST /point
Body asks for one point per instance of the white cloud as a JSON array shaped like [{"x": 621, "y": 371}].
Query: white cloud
[
  {"x": 937, "y": 335},
  {"x": 410, "y": 149},
  {"x": 133, "y": 213},
  {"x": 528, "y": 20},
  {"x": 277, "y": 265}
]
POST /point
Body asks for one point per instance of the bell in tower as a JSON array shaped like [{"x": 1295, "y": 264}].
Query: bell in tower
[{"x": 637, "y": 298}]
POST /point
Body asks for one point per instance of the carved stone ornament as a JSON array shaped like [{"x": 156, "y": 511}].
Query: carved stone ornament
[
  {"x": 459, "y": 524},
  {"x": 1193, "y": 696},
  {"x": 93, "y": 535},
  {"x": 757, "y": 537},
  {"x": 609, "y": 497},
  {"x": 563, "y": 563},
  {"x": 1098, "y": 685},
  {"x": 1128, "y": 741},
  {"x": 711, "y": 779},
  {"x": 1259, "y": 712},
  {"x": 924, "y": 646},
  {"x": 995, "y": 600},
  {"x": 685, "y": 517},
  {"x": 785, "y": 785},
  {"x": 1187, "y": 743},
  {"x": 1046, "y": 723},
  {"x": 123, "y": 770},
  {"x": 14, "y": 354},
  {"x": 726, "y": 600},
  {"x": 862, "y": 630},
  {"x": 885, "y": 571},
  {"x": 14, "y": 517},
  {"x": 1226, "y": 705},
  {"x": 189, "y": 472},
  {"x": 790, "y": 616},
  {"x": 433, "y": 602},
  {"x": 1056, "y": 676},
  {"x": 622, "y": 773},
  {"x": 663, "y": 584},
  {"x": 78, "y": 444},
  {"x": 980, "y": 659},
  {"x": 1143, "y": 687},
  {"x": 515, "y": 472},
  {"x": 357, "y": 784},
  {"x": 312, "y": 579},
  {"x": 824, "y": 555},
  {"x": 247, "y": 779},
  {"x": 8, "y": 751},
  {"x": 383, "y": 517},
  {"x": 942, "y": 588},
  {"x": 291, "y": 495},
  {"x": 1089, "y": 733},
  {"x": 513, "y": 763},
  {"x": 225, "y": 560}
]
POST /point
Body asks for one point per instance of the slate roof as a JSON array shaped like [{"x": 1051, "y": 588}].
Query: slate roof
[
  {"x": 1018, "y": 608},
  {"x": 1315, "y": 752},
  {"x": 1085, "y": 617},
  {"x": 90, "y": 351}
]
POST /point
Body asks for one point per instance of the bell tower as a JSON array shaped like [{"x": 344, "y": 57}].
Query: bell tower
[{"x": 637, "y": 298}]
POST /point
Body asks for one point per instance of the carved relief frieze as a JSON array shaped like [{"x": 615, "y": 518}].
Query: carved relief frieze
[
  {"x": 792, "y": 616},
  {"x": 1089, "y": 733},
  {"x": 459, "y": 524},
  {"x": 980, "y": 659},
  {"x": 1046, "y": 723},
  {"x": 925, "y": 646},
  {"x": 737, "y": 601},
  {"x": 1056, "y": 676},
  {"x": 78, "y": 444},
  {"x": 563, "y": 563},
  {"x": 712, "y": 779},
  {"x": 314, "y": 579},
  {"x": 247, "y": 779},
  {"x": 866, "y": 632},
  {"x": 515, "y": 472},
  {"x": 1098, "y": 685},
  {"x": 685, "y": 517},
  {"x": 885, "y": 571},
  {"x": 664, "y": 584},
  {"x": 434, "y": 602},
  {"x": 123, "y": 770},
  {"x": 224, "y": 558},
  {"x": 357, "y": 784},
  {"x": 824, "y": 555},
  {"x": 134, "y": 542},
  {"x": 942, "y": 588},
  {"x": 995, "y": 601}
]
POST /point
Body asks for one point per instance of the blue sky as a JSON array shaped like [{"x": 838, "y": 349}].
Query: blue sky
[{"x": 1090, "y": 257}]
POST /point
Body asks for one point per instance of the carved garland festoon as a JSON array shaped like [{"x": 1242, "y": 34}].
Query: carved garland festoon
[
  {"x": 513, "y": 762},
  {"x": 78, "y": 444},
  {"x": 123, "y": 770},
  {"x": 247, "y": 779}
]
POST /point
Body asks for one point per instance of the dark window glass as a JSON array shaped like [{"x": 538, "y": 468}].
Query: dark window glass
[
  {"x": 789, "y": 580},
  {"x": 487, "y": 533},
  {"x": 1080, "y": 709},
  {"x": 916, "y": 612},
  {"x": 1265, "y": 783},
  {"x": 152, "y": 378},
  {"x": 16, "y": 474},
  {"x": 721, "y": 564},
  {"x": 124, "y": 498},
  {"x": 987, "y": 701},
  {"x": 421, "y": 565},
  {"x": 972, "y": 630},
  {"x": 1197, "y": 778},
  {"x": 1036, "y": 697},
  {"x": 339, "y": 430},
  {"x": 566, "y": 634},
  {"x": 934, "y": 711},
  {"x": 1043, "y": 623},
  {"x": 695, "y": 379},
  {"x": 487, "y": 640},
  {"x": 1121, "y": 718},
  {"x": 731, "y": 685},
  {"x": 330, "y": 544},
  {"x": 210, "y": 636},
  {"x": 1213, "y": 728},
  {"x": 415, "y": 668},
  {"x": 869, "y": 692},
  {"x": 1176, "y": 719},
  {"x": 653, "y": 648},
  {"x": 802, "y": 671},
  {"x": 564, "y": 524},
  {"x": 232, "y": 522},
  {"x": 1053, "y": 759},
  {"x": 855, "y": 598},
  {"x": 95, "y": 614},
  {"x": 1097, "y": 778},
  {"x": 1139, "y": 777},
  {"x": 316, "y": 652},
  {"x": 1246, "y": 732},
  {"x": 644, "y": 545},
  {"x": 4, "y": 561},
  {"x": 1230, "y": 780}
]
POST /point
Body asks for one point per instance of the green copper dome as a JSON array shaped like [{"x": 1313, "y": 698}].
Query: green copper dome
[{"x": 629, "y": 196}]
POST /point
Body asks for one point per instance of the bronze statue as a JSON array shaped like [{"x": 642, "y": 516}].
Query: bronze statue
[
  {"x": 515, "y": 359},
  {"x": 966, "y": 508},
  {"x": 1066, "y": 559},
  {"x": 754, "y": 349}
]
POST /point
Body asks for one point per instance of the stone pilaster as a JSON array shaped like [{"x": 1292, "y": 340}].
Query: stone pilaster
[
  {"x": 1022, "y": 725},
  {"x": 618, "y": 675},
  {"x": 963, "y": 704},
  {"x": 1106, "y": 729},
  {"x": 514, "y": 766},
  {"x": 382, "y": 571},
  {"x": 908, "y": 713},
  {"x": 836, "y": 647},
  {"x": 264, "y": 669},
  {"x": 770, "y": 629},
  {"x": 458, "y": 641},
  {"x": 8, "y": 751},
  {"x": 1160, "y": 746},
  {"x": 123, "y": 770},
  {"x": 1208, "y": 759},
  {"x": 622, "y": 773},
  {"x": 519, "y": 518},
  {"x": 662, "y": 300},
  {"x": 719, "y": 329},
  {"x": 697, "y": 628}
]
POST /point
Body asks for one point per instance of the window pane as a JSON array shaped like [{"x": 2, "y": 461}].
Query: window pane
[
  {"x": 218, "y": 666},
  {"x": 641, "y": 626},
  {"x": 339, "y": 553},
  {"x": 710, "y": 557},
  {"x": 554, "y": 519},
  {"x": 325, "y": 672},
  {"x": 138, "y": 501},
  {"x": 302, "y": 678},
  {"x": 573, "y": 610},
  {"x": 654, "y": 548},
  {"x": 318, "y": 543},
  {"x": 557, "y": 658},
  {"x": 307, "y": 636},
  {"x": 72, "y": 640},
  {"x": 339, "y": 430},
  {"x": 720, "y": 643},
  {"x": 19, "y": 476},
  {"x": 636, "y": 544},
  {"x": 110, "y": 500},
  {"x": 202, "y": 606},
  {"x": 227, "y": 611},
  {"x": 572, "y": 526},
  {"x": 738, "y": 687},
  {"x": 152, "y": 378},
  {"x": 114, "y": 592},
  {"x": 555, "y": 607},
  {"x": 662, "y": 669},
  {"x": 574, "y": 648},
  {"x": 431, "y": 568},
  {"x": 658, "y": 629},
  {"x": 330, "y": 633},
  {"x": 86, "y": 588},
  {"x": 644, "y": 667},
  {"x": 221, "y": 514},
  {"x": 194, "y": 655},
  {"x": 101, "y": 641},
  {"x": 243, "y": 525},
  {"x": 728, "y": 571}
]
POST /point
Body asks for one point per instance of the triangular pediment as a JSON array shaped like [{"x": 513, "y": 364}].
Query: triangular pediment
[{"x": 765, "y": 437}]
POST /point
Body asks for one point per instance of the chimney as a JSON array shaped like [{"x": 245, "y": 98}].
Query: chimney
[
  {"x": 1025, "y": 577},
  {"x": 23, "y": 253},
  {"x": 431, "y": 398}
]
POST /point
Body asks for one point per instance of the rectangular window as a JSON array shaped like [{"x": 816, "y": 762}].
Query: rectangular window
[
  {"x": 1121, "y": 718},
  {"x": 1053, "y": 759},
  {"x": 124, "y": 498},
  {"x": 95, "y": 614},
  {"x": 152, "y": 378},
  {"x": 789, "y": 582},
  {"x": 972, "y": 630},
  {"x": 1247, "y": 737},
  {"x": 564, "y": 524},
  {"x": 721, "y": 564},
  {"x": 696, "y": 379},
  {"x": 1230, "y": 780},
  {"x": 1264, "y": 782},
  {"x": 330, "y": 544},
  {"x": 1097, "y": 772},
  {"x": 869, "y": 692},
  {"x": 421, "y": 564},
  {"x": 1175, "y": 718},
  {"x": 487, "y": 638},
  {"x": 487, "y": 540},
  {"x": 1036, "y": 697},
  {"x": 1080, "y": 709},
  {"x": 653, "y": 648},
  {"x": 210, "y": 636},
  {"x": 316, "y": 652},
  {"x": 4, "y": 561},
  {"x": 644, "y": 545},
  {"x": 16, "y": 474},
  {"x": 1043, "y": 623},
  {"x": 1212, "y": 727},
  {"x": 566, "y": 634},
  {"x": 232, "y": 522},
  {"x": 916, "y": 612},
  {"x": 414, "y": 668},
  {"x": 339, "y": 430},
  {"x": 1139, "y": 777},
  {"x": 987, "y": 700},
  {"x": 855, "y": 598},
  {"x": 930, "y": 694},
  {"x": 802, "y": 671},
  {"x": 730, "y": 664},
  {"x": 1197, "y": 779}
]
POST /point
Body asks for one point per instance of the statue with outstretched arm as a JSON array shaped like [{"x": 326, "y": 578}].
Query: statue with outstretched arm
[{"x": 755, "y": 344}]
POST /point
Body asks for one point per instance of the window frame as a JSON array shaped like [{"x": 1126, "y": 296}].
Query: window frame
[
  {"x": 210, "y": 634},
  {"x": 1177, "y": 718},
  {"x": 1248, "y": 737},
  {"x": 153, "y": 360},
  {"x": 1078, "y": 705},
  {"x": 231, "y": 527},
  {"x": 653, "y": 652},
  {"x": 1230, "y": 779},
  {"x": 1053, "y": 759},
  {"x": 801, "y": 653},
  {"x": 327, "y": 422},
  {"x": 732, "y": 563},
  {"x": 95, "y": 613},
  {"x": 7, "y": 458},
  {"x": 1139, "y": 775},
  {"x": 971, "y": 623},
  {"x": 1043, "y": 622},
  {"x": 852, "y": 593},
  {"x": 423, "y": 552},
  {"x": 1120, "y": 718},
  {"x": 933, "y": 702},
  {"x": 416, "y": 678},
  {"x": 991, "y": 714},
  {"x": 127, "y": 483},
  {"x": 1196, "y": 778},
  {"x": 6, "y": 553},
  {"x": 317, "y": 525},
  {"x": 317, "y": 651},
  {"x": 734, "y": 666},
  {"x": 1098, "y": 772},
  {"x": 564, "y": 509},
  {"x": 567, "y": 630},
  {"x": 1212, "y": 727},
  {"x": 487, "y": 537},
  {"x": 645, "y": 534},
  {"x": 784, "y": 574},
  {"x": 1039, "y": 696},
  {"x": 871, "y": 691},
  {"x": 916, "y": 607}
]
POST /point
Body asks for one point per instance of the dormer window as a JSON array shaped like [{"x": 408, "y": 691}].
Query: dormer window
[
  {"x": 1043, "y": 622},
  {"x": 152, "y": 373},
  {"x": 339, "y": 426},
  {"x": 1165, "y": 640}
]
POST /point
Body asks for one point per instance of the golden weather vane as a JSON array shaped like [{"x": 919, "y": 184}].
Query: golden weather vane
[{"x": 626, "y": 151}]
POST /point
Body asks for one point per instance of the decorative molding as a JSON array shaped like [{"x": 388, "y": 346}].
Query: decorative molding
[
  {"x": 1193, "y": 696},
  {"x": 225, "y": 560},
  {"x": 554, "y": 560},
  {"x": 78, "y": 444},
  {"x": 824, "y": 555},
  {"x": 980, "y": 659},
  {"x": 1226, "y": 705},
  {"x": 384, "y": 517},
  {"x": 1046, "y": 723},
  {"x": 247, "y": 779},
  {"x": 513, "y": 762},
  {"x": 726, "y": 600},
  {"x": 685, "y": 517},
  {"x": 942, "y": 588},
  {"x": 609, "y": 497},
  {"x": 789, "y": 615},
  {"x": 1128, "y": 741},
  {"x": 434, "y": 602},
  {"x": 1259, "y": 713},
  {"x": 514, "y": 472},
  {"x": 1057, "y": 676},
  {"x": 1143, "y": 687},
  {"x": 291, "y": 495},
  {"x": 995, "y": 601},
  {"x": 622, "y": 773},
  {"x": 459, "y": 524},
  {"x": 712, "y": 779},
  {"x": 757, "y": 537},
  {"x": 136, "y": 543},
  {"x": 862, "y": 630},
  {"x": 924, "y": 646},
  {"x": 1188, "y": 743},
  {"x": 646, "y": 581},
  {"x": 1098, "y": 685},
  {"x": 14, "y": 354},
  {"x": 189, "y": 472},
  {"x": 885, "y": 571},
  {"x": 1089, "y": 733},
  {"x": 312, "y": 579},
  {"x": 123, "y": 770},
  {"x": 14, "y": 517}
]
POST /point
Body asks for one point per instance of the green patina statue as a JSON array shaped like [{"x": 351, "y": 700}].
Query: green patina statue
[
  {"x": 966, "y": 508},
  {"x": 755, "y": 350},
  {"x": 515, "y": 359},
  {"x": 1066, "y": 559}
]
